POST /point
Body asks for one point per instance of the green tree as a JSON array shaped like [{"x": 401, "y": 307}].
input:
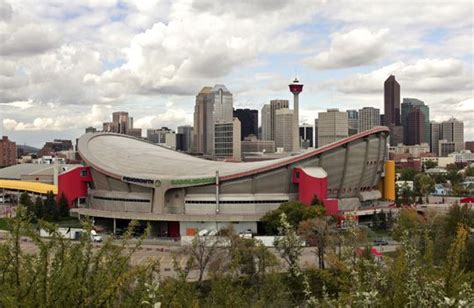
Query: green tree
[
  {"x": 295, "y": 212},
  {"x": 459, "y": 190},
  {"x": 39, "y": 209},
  {"x": 319, "y": 232},
  {"x": 407, "y": 174},
  {"x": 63, "y": 206},
  {"x": 26, "y": 201},
  {"x": 406, "y": 196},
  {"x": 51, "y": 212},
  {"x": 424, "y": 185},
  {"x": 469, "y": 171},
  {"x": 409, "y": 221},
  {"x": 430, "y": 164}
]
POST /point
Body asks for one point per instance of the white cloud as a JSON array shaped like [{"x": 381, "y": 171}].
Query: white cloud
[
  {"x": 425, "y": 75},
  {"x": 354, "y": 48}
]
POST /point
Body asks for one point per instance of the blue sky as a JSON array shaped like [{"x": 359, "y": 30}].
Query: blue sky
[{"x": 66, "y": 66}]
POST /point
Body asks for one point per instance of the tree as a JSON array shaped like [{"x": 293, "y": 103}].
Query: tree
[
  {"x": 289, "y": 245},
  {"x": 318, "y": 232},
  {"x": 63, "y": 206},
  {"x": 39, "y": 208},
  {"x": 406, "y": 195},
  {"x": 202, "y": 252},
  {"x": 375, "y": 221},
  {"x": 408, "y": 174},
  {"x": 295, "y": 213},
  {"x": 382, "y": 218},
  {"x": 469, "y": 171},
  {"x": 409, "y": 221},
  {"x": 459, "y": 190},
  {"x": 430, "y": 164},
  {"x": 51, "y": 212},
  {"x": 26, "y": 201},
  {"x": 424, "y": 184}
]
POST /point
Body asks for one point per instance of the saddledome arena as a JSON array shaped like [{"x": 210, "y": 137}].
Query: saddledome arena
[{"x": 180, "y": 194}]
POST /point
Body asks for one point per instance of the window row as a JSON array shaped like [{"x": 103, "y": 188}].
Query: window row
[
  {"x": 235, "y": 201},
  {"x": 121, "y": 199}
]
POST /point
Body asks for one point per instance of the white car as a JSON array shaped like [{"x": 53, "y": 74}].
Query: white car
[{"x": 95, "y": 237}]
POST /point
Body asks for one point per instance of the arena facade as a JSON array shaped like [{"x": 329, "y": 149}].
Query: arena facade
[{"x": 180, "y": 194}]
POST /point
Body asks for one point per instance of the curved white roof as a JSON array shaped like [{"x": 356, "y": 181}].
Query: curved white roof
[{"x": 121, "y": 155}]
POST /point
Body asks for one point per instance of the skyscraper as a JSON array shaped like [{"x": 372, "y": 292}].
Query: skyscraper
[
  {"x": 248, "y": 122},
  {"x": 435, "y": 136},
  {"x": 332, "y": 126},
  {"x": 353, "y": 121},
  {"x": 283, "y": 129},
  {"x": 187, "y": 139},
  {"x": 306, "y": 136},
  {"x": 276, "y": 104},
  {"x": 414, "y": 125},
  {"x": 391, "y": 101},
  {"x": 7, "y": 152},
  {"x": 369, "y": 117},
  {"x": 296, "y": 88},
  {"x": 266, "y": 119},
  {"x": 408, "y": 105},
  {"x": 453, "y": 131},
  {"x": 392, "y": 110},
  {"x": 316, "y": 123},
  {"x": 214, "y": 106}
]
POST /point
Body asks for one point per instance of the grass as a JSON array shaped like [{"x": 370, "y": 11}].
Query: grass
[{"x": 69, "y": 222}]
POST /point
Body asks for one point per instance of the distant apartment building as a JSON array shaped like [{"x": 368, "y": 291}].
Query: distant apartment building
[
  {"x": 283, "y": 129},
  {"x": 248, "y": 122},
  {"x": 469, "y": 145},
  {"x": 332, "y": 126},
  {"x": 463, "y": 156},
  {"x": 50, "y": 148},
  {"x": 353, "y": 121},
  {"x": 7, "y": 152},
  {"x": 266, "y": 122},
  {"x": 446, "y": 147},
  {"x": 414, "y": 150},
  {"x": 157, "y": 135},
  {"x": 453, "y": 131},
  {"x": 369, "y": 118},
  {"x": 306, "y": 136}
]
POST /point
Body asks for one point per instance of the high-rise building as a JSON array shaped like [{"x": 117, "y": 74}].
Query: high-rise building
[
  {"x": 248, "y": 122},
  {"x": 122, "y": 124},
  {"x": 408, "y": 105},
  {"x": 213, "y": 105},
  {"x": 446, "y": 147},
  {"x": 283, "y": 129},
  {"x": 435, "y": 136},
  {"x": 266, "y": 119},
  {"x": 332, "y": 126},
  {"x": 252, "y": 145},
  {"x": 353, "y": 121},
  {"x": 391, "y": 102},
  {"x": 453, "y": 131},
  {"x": 296, "y": 88},
  {"x": 369, "y": 117},
  {"x": 7, "y": 152},
  {"x": 306, "y": 136},
  {"x": 414, "y": 127},
  {"x": 187, "y": 137},
  {"x": 227, "y": 140},
  {"x": 158, "y": 135},
  {"x": 276, "y": 104},
  {"x": 392, "y": 110},
  {"x": 316, "y": 145},
  {"x": 91, "y": 129}
]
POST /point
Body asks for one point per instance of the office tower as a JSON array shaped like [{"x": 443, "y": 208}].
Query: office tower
[
  {"x": 435, "y": 136},
  {"x": 274, "y": 106},
  {"x": 253, "y": 145},
  {"x": 7, "y": 152},
  {"x": 369, "y": 117},
  {"x": 332, "y": 126},
  {"x": 316, "y": 144},
  {"x": 296, "y": 88},
  {"x": 283, "y": 129},
  {"x": 410, "y": 104},
  {"x": 446, "y": 147},
  {"x": 157, "y": 135},
  {"x": 248, "y": 122},
  {"x": 187, "y": 137},
  {"x": 453, "y": 131},
  {"x": 266, "y": 118},
  {"x": 392, "y": 110},
  {"x": 120, "y": 121},
  {"x": 414, "y": 127},
  {"x": 353, "y": 121},
  {"x": 306, "y": 136},
  {"x": 213, "y": 105},
  {"x": 227, "y": 140}
]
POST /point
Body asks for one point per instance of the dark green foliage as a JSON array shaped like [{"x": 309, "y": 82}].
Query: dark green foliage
[
  {"x": 408, "y": 174},
  {"x": 63, "y": 206},
  {"x": 295, "y": 211}
]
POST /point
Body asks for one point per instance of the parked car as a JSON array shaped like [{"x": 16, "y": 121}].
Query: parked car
[
  {"x": 380, "y": 243},
  {"x": 95, "y": 237}
]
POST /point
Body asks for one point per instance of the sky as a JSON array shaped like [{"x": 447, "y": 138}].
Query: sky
[{"x": 67, "y": 65}]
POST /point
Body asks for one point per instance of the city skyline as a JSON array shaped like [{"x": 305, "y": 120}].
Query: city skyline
[{"x": 85, "y": 61}]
